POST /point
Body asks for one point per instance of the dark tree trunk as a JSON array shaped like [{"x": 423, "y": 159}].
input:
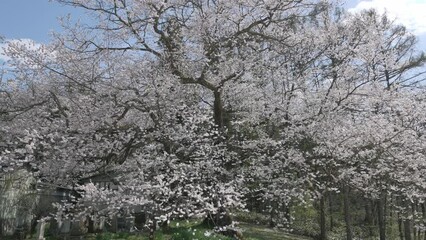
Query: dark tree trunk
[
  {"x": 385, "y": 209},
  {"x": 165, "y": 226},
  {"x": 407, "y": 229},
  {"x": 347, "y": 213},
  {"x": 323, "y": 230},
  {"x": 218, "y": 109},
  {"x": 401, "y": 233},
  {"x": 91, "y": 225},
  {"x": 368, "y": 219},
  {"x": 220, "y": 219},
  {"x": 423, "y": 205},
  {"x": 140, "y": 220},
  {"x": 273, "y": 213},
  {"x": 413, "y": 212},
  {"x": 287, "y": 214},
  {"x": 374, "y": 212},
  {"x": 152, "y": 229},
  {"x": 381, "y": 219},
  {"x": 369, "y": 216},
  {"x": 391, "y": 211},
  {"x": 330, "y": 209}
]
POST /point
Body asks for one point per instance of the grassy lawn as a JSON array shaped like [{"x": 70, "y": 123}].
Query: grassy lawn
[
  {"x": 182, "y": 230},
  {"x": 198, "y": 232},
  {"x": 256, "y": 232}
]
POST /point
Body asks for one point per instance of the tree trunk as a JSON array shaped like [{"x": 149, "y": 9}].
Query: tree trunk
[
  {"x": 218, "y": 109},
  {"x": 401, "y": 233},
  {"x": 287, "y": 213},
  {"x": 165, "y": 226},
  {"x": 323, "y": 230},
  {"x": 152, "y": 229},
  {"x": 381, "y": 219},
  {"x": 423, "y": 205},
  {"x": 369, "y": 216},
  {"x": 374, "y": 212},
  {"x": 220, "y": 219},
  {"x": 413, "y": 212},
  {"x": 385, "y": 210},
  {"x": 347, "y": 213},
  {"x": 391, "y": 214},
  {"x": 273, "y": 214},
  {"x": 407, "y": 229},
  {"x": 330, "y": 210}
]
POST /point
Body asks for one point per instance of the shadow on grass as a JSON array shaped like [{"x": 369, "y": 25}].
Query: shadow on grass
[{"x": 257, "y": 232}]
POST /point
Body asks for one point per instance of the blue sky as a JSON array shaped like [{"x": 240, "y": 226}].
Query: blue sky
[
  {"x": 32, "y": 19},
  {"x": 35, "y": 19}
]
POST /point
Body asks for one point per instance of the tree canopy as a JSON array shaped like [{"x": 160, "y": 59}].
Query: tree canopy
[{"x": 195, "y": 105}]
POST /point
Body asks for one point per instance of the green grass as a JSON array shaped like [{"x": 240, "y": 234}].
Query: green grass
[
  {"x": 195, "y": 231},
  {"x": 183, "y": 230},
  {"x": 256, "y": 232}
]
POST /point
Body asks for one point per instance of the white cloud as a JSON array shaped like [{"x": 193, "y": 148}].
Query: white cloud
[
  {"x": 28, "y": 43},
  {"x": 3, "y": 57},
  {"x": 411, "y": 13}
]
